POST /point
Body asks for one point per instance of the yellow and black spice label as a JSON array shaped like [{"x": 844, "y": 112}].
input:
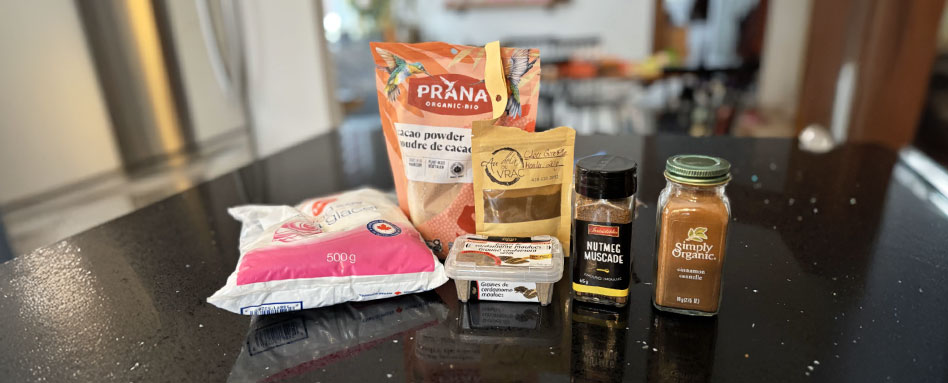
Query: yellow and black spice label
[{"x": 602, "y": 258}]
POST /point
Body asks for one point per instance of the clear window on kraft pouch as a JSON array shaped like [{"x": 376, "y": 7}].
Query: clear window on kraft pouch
[{"x": 522, "y": 205}]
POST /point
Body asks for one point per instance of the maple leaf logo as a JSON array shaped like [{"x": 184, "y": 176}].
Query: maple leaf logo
[
  {"x": 697, "y": 234},
  {"x": 383, "y": 228}
]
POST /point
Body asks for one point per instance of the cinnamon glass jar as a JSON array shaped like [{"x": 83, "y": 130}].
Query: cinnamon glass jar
[{"x": 693, "y": 217}]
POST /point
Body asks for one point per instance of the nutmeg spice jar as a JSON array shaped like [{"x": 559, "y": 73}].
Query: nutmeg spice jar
[
  {"x": 693, "y": 217},
  {"x": 603, "y": 209}
]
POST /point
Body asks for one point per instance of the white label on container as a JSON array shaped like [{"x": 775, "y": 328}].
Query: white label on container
[
  {"x": 521, "y": 254},
  {"x": 437, "y": 154},
  {"x": 507, "y": 291}
]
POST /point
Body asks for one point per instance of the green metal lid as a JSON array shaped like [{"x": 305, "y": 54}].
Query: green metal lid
[{"x": 696, "y": 169}]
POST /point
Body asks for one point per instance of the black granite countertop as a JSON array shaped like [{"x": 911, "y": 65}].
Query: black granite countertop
[{"x": 836, "y": 271}]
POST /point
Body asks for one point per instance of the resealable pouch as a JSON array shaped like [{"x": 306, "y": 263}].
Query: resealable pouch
[
  {"x": 429, "y": 95},
  {"x": 523, "y": 181}
]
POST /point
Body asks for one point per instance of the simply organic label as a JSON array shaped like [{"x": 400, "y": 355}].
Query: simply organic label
[
  {"x": 437, "y": 154},
  {"x": 690, "y": 266},
  {"x": 693, "y": 247}
]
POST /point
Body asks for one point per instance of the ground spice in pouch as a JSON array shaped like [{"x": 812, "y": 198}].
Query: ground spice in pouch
[
  {"x": 429, "y": 94},
  {"x": 523, "y": 181}
]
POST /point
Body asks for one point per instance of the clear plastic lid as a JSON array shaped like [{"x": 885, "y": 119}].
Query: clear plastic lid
[{"x": 478, "y": 257}]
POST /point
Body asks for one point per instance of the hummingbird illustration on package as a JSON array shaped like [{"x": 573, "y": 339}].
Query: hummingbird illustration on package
[
  {"x": 398, "y": 71},
  {"x": 517, "y": 66}
]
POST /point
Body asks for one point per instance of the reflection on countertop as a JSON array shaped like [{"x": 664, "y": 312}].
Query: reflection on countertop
[
  {"x": 297, "y": 344},
  {"x": 682, "y": 348},
  {"x": 836, "y": 271}
]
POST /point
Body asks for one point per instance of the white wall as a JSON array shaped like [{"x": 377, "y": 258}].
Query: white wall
[
  {"x": 54, "y": 127},
  {"x": 288, "y": 69},
  {"x": 781, "y": 72},
  {"x": 624, "y": 26}
]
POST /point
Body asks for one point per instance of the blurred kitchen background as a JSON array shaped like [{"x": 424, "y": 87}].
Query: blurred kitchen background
[{"x": 110, "y": 105}]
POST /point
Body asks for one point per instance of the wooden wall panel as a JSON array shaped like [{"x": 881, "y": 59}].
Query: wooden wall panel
[
  {"x": 892, "y": 43},
  {"x": 895, "y": 68}
]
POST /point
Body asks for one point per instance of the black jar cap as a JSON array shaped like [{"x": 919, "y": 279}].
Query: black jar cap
[{"x": 606, "y": 177}]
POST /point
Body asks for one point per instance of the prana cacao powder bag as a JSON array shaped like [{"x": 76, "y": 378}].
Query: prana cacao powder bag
[{"x": 429, "y": 95}]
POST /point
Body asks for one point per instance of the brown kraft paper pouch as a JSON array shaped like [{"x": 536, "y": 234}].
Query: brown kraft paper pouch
[
  {"x": 523, "y": 181},
  {"x": 429, "y": 94}
]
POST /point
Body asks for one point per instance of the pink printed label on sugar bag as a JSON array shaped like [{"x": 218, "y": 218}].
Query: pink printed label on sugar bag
[
  {"x": 295, "y": 230},
  {"x": 353, "y": 252}
]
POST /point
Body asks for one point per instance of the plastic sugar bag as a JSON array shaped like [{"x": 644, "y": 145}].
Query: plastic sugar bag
[
  {"x": 429, "y": 95},
  {"x": 353, "y": 246}
]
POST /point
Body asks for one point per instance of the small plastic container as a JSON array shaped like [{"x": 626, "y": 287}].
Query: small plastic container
[{"x": 505, "y": 269}]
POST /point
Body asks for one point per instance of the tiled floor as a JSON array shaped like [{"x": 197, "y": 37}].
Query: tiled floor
[{"x": 79, "y": 207}]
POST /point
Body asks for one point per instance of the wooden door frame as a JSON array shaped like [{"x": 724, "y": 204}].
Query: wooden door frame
[{"x": 891, "y": 46}]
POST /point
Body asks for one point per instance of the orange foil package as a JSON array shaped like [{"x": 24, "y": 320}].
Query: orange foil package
[{"x": 429, "y": 96}]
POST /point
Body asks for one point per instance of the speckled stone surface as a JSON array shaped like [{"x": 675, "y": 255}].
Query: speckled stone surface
[{"x": 835, "y": 271}]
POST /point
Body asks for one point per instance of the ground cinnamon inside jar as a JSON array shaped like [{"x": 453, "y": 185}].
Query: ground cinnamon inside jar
[{"x": 693, "y": 217}]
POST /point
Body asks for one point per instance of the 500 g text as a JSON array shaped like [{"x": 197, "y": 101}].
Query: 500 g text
[{"x": 340, "y": 257}]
